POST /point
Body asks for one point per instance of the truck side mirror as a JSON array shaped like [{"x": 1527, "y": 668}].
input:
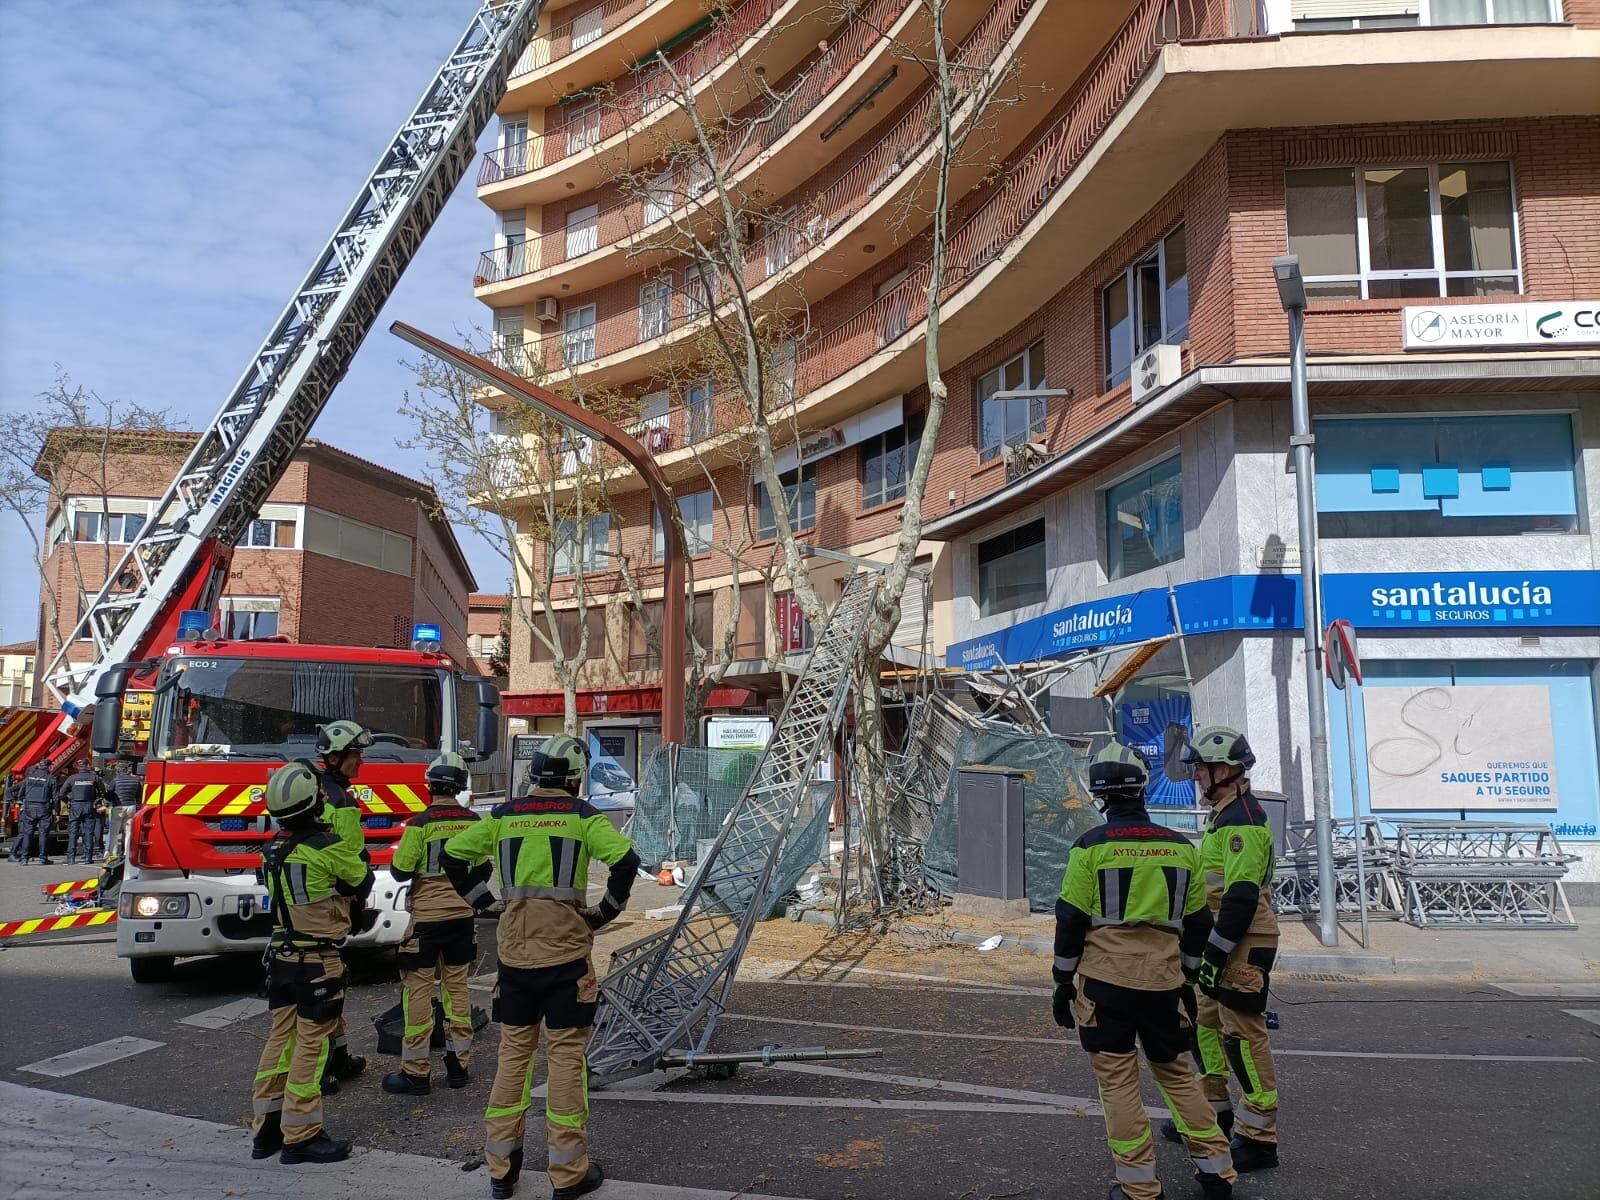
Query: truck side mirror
[
  {"x": 487, "y": 739},
  {"x": 106, "y": 734}
]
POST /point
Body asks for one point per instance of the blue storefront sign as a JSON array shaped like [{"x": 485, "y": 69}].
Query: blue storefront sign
[{"x": 1401, "y": 600}]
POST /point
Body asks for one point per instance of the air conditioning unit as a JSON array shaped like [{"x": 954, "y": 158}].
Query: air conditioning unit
[
  {"x": 1155, "y": 369},
  {"x": 547, "y": 308}
]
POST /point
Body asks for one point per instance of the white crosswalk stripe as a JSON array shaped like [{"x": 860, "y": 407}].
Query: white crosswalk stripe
[{"x": 88, "y": 1058}]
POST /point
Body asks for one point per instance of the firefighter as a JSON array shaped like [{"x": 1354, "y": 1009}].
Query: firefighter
[
  {"x": 441, "y": 944},
  {"x": 543, "y": 842},
  {"x": 314, "y": 879},
  {"x": 82, "y": 791},
  {"x": 37, "y": 809},
  {"x": 1132, "y": 922},
  {"x": 339, "y": 747},
  {"x": 1232, "y": 1027}
]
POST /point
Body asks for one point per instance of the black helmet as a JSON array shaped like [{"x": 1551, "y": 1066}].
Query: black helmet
[
  {"x": 558, "y": 762},
  {"x": 447, "y": 775},
  {"x": 1220, "y": 744},
  {"x": 1118, "y": 768}
]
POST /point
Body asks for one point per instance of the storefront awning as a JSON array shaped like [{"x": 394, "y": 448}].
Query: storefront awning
[{"x": 613, "y": 700}]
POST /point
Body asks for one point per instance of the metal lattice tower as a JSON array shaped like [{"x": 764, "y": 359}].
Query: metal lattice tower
[
  {"x": 665, "y": 992},
  {"x": 250, "y": 442}
]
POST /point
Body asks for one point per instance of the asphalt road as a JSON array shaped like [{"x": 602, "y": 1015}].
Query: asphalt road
[{"x": 1392, "y": 1092}]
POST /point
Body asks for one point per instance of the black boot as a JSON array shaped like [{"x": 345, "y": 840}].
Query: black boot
[
  {"x": 583, "y": 1187},
  {"x": 1116, "y": 1193},
  {"x": 269, "y": 1138},
  {"x": 320, "y": 1149},
  {"x": 398, "y": 1083},
  {"x": 1251, "y": 1155},
  {"x": 344, "y": 1065},
  {"x": 454, "y": 1073},
  {"x": 501, "y": 1189},
  {"x": 1213, "y": 1187},
  {"x": 1169, "y": 1129}
]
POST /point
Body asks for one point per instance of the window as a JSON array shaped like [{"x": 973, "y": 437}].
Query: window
[
  {"x": 654, "y": 87},
  {"x": 800, "y": 490},
  {"x": 750, "y": 638},
  {"x": 642, "y": 624},
  {"x": 571, "y": 555},
  {"x": 506, "y": 340},
  {"x": 568, "y": 633},
  {"x": 1492, "y": 12},
  {"x": 582, "y": 126},
  {"x": 700, "y": 402},
  {"x": 1146, "y": 306},
  {"x": 1011, "y": 569},
  {"x": 699, "y": 292},
  {"x": 695, "y": 510},
  {"x": 577, "y": 335},
  {"x": 780, "y": 240},
  {"x": 583, "y": 230},
  {"x": 1144, "y": 520},
  {"x": 896, "y": 310},
  {"x": 782, "y": 367},
  {"x": 1386, "y": 233},
  {"x": 1006, "y": 420},
  {"x": 514, "y": 244},
  {"x": 886, "y": 461},
  {"x": 353, "y": 541},
  {"x": 266, "y": 533},
  {"x": 117, "y": 529},
  {"x": 655, "y": 307},
  {"x": 658, "y": 197},
  {"x": 587, "y": 26},
  {"x": 1421, "y": 476},
  {"x": 514, "y": 146},
  {"x": 1324, "y": 24},
  {"x": 244, "y": 618}
]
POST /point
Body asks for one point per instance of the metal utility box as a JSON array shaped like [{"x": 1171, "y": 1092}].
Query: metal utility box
[{"x": 989, "y": 814}]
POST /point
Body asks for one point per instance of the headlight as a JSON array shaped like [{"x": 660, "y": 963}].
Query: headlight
[{"x": 148, "y": 906}]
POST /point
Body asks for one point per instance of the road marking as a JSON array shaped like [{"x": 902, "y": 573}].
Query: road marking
[
  {"x": 1558, "y": 991},
  {"x": 90, "y": 1057},
  {"x": 767, "y": 1101},
  {"x": 1066, "y": 1043},
  {"x": 1591, "y": 1015},
  {"x": 777, "y": 972},
  {"x": 923, "y": 1083},
  {"x": 226, "y": 1014}
]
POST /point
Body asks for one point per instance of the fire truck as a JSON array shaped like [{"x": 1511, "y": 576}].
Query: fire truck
[{"x": 225, "y": 713}]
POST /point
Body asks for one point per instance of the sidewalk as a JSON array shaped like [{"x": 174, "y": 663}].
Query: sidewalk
[{"x": 1398, "y": 950}]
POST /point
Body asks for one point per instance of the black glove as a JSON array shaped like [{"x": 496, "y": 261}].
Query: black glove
[
  {"x": 593, "y": 917},
  {"x": 1211, "y": 964},
  {"x": 1061, "y": 1004},
  {"x": 489, "y": 910}
]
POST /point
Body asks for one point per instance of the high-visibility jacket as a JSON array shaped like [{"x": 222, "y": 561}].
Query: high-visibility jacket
[
  {"x": 1132, "y": 910},
  {"x": 541, "y": 845},
  {"x": 1236, "y": 856},
  {"x": 419, "y": 857},
  {"x": 312, "y": 877},
  {"x": 339, "y": 808}
]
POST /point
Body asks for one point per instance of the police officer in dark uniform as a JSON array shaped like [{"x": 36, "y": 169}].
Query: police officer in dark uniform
[
  {"x": 37, "y": 808},
  {"x": 83, "y": 792},
  {"x": 1132, "y": 922}
]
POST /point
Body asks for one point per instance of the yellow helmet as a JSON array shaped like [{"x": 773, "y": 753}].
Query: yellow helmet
[{"x": 292, "y": 791}]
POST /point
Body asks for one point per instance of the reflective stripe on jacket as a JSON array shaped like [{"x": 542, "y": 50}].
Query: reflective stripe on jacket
[
  {"x": 419, "y": 857},
  {"x": 1237, "y": 858}
]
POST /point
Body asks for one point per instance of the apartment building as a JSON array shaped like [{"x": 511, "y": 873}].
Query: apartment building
[
  {"x": 1116, "y": 354},
  {"x": 485, "y": 624},
  {"x": 344, "y": 551},
  {"x": 16, "y": 674}
]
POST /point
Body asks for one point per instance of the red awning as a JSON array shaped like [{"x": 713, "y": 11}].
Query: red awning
[{"x": 613, "y": 700}]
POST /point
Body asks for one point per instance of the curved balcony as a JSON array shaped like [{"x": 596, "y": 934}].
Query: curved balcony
[
  {"x": 619, "y": 241},
  {"x": 588, "y": 49},
  {"x": 622, "y": 132}
]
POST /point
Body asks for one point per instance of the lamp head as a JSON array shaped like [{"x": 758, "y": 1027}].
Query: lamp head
[{"x": 1291, "y": 283}]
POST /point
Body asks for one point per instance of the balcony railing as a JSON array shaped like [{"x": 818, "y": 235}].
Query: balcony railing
[
  {"x": 978, "y": 241},
  {"x": 881, "y": 159},
  {"x": 648, "y": 92},
  {"x": 572, "y": 36}
]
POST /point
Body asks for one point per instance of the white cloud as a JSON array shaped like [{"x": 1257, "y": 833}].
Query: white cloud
[{"x": 170, "y": 171}]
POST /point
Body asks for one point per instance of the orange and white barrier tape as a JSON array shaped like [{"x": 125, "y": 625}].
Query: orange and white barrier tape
[{"x": 86, "y": 919}]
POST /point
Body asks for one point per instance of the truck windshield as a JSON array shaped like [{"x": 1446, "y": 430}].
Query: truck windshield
[{"x": 249, "y": 708}]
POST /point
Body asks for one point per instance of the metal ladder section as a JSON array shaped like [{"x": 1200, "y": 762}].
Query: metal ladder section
[
  {"x": 249, "y": 443},
  {"x": 664, "y": 993}
]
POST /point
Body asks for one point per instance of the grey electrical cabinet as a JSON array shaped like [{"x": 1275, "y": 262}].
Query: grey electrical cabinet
[{"x": 989, "y": 844}]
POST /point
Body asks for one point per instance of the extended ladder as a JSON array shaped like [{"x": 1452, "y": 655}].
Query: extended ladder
[
  {"x": 248, "y": 445},
  {"x": 664, "y": 993}
]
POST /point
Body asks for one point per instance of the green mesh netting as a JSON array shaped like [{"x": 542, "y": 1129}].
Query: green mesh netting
[
  {"x": 1058, "y": 810},
  {"x": 684, "y": 797}
]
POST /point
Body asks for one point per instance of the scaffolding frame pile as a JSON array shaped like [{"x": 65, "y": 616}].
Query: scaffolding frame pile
[{"x": 660, "y": 1001}]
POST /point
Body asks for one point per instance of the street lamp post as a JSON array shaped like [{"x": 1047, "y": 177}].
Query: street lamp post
[
  {"x": 1292, "y": 292},
  {"x": 575, "y": 417}
]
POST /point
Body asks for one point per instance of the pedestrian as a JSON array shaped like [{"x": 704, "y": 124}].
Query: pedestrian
[
  {"x": 126, "y": 792},
  {"x": 37, "y": 810},
  {"x": 1232, "y": 1027},
  {"x": 1132, "y": 922},
  {"x": 542, "y": 843},
  {"x": 82, "y": 791},
  {"x": 314, "y": 880},
  {"x": 339, "y": 747},
  {"x": 441, "y": 943}
]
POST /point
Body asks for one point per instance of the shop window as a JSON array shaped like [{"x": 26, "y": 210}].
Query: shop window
[
  {"x": 1146, "y": 306},
  {"x": 1144, "y": 520},
  {"x": 1004, "y": 417},
  {"x": 800, "y": 490},
  {"x": 1011, "y": 570},
  {"x": 1386, "y": 233},
  {"x": 886, "y": 462},
  {"x": 1446, "y": 476}
]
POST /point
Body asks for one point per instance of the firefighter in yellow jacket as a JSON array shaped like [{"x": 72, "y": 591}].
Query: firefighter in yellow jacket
[
  {"x": 541, "y": 844},
  {"x": 313, "y": 878},
  {"x": 1131, "y": 921},
  {"x": 1237, "y": 857},
  {"x": 441, "y": 944}
]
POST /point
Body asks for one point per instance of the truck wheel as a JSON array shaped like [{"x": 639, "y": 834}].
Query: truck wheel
[{"x": 154, "y": 969}]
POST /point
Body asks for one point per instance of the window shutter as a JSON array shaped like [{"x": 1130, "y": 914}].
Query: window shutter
[{"x": 1311, "y": 9}]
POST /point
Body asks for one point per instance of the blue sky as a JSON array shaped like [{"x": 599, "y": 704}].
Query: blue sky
[{"x": 167, "y": 173}]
